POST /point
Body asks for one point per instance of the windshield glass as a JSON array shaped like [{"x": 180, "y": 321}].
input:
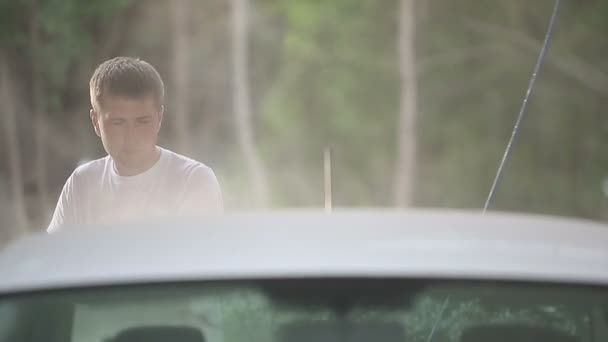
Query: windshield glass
[
  {"x": 310, "y": 310},
  {"x": 298, "y": 104}
]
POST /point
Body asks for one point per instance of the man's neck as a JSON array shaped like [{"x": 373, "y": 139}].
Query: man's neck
[{"x": 133, "y": 170}]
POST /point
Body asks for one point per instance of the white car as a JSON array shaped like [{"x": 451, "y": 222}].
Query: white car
[{"x": 349, "y": 276}]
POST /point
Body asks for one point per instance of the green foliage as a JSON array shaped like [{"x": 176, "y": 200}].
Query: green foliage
[
  {"x": 337, "y": 88},
  {"x": 326, "y": 74},
  {"x": 52, "y": 35},
  {"x": 63, "y": 39},
  {"x": 469, "y": 106}
]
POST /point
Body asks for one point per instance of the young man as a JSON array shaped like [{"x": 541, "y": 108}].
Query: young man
[{"x": 138, "y": 180}]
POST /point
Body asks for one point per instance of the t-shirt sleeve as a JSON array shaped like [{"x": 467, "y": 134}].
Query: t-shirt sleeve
[
  {"x": 65, "y": 211},
  {"x": 203, "y": 195}
]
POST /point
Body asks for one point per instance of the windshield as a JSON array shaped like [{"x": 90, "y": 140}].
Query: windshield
[
  {"x": 310, "y": 310},
  {"x": 298, "y": 104}
]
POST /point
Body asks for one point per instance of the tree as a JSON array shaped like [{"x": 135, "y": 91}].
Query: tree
[
  {"x": 180, "y": 10},
  {"x": 242, "y": 101},
  {"x": 7, "y": 103},
  {"x": 39, "y": 109},
  {"x": 406, "y": 157}
]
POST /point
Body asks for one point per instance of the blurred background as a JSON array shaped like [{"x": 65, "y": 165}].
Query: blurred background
[{"x": 415, "y": 98}]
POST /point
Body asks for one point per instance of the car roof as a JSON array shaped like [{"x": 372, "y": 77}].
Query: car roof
[{"x": 351, "y": 243}]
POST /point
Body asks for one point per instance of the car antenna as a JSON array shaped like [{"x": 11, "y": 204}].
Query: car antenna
[
  {"x": 523, "y": 108},
  {"x": 327, "y": 179}
]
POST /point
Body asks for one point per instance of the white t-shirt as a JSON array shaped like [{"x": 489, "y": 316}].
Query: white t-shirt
[{"x": 176, "y": 186}]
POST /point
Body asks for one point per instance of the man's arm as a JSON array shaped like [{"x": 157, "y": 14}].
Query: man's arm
[
  {"x": 65, "y": 211},
  {"x": 203, "y": 195}
]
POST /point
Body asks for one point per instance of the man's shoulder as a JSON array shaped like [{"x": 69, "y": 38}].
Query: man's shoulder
[
  {"x": 91, "y": 168},
  {"x": 181, "y": 163},
  {"x": 202, "y": 192}
]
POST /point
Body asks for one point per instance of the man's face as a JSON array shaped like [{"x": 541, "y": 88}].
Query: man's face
[{"x": 128, "y": 128}]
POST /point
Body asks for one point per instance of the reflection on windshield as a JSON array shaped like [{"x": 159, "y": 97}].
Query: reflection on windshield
[{"x": 311, "y": 310}]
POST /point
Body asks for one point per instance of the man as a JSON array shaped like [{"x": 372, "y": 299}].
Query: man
[{"x": 138, "y": 180}]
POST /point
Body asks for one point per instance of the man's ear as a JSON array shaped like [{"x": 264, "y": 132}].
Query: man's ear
[
  {"x": 161, "y": 113},
  {"x": 95, "y": 121}
]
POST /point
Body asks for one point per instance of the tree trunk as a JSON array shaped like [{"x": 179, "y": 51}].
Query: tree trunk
[
  {"x": 39, "y": 111},
  {"x": 181, "y": 72},
  {"x": 406, "y": 158},
  {"x": 11, "y": 139},
  {"x": 242, "y": 101}
]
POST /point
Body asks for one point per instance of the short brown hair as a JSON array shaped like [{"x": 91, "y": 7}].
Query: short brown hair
[{"x": 126, "y": 76}]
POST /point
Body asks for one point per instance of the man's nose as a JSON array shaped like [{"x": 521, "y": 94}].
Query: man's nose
[{"x": 129, "y": 133}]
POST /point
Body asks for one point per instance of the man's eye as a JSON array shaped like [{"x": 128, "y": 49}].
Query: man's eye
[
  {"x": 143, "y": 121},
  {"x": 117, "y": 122}
]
